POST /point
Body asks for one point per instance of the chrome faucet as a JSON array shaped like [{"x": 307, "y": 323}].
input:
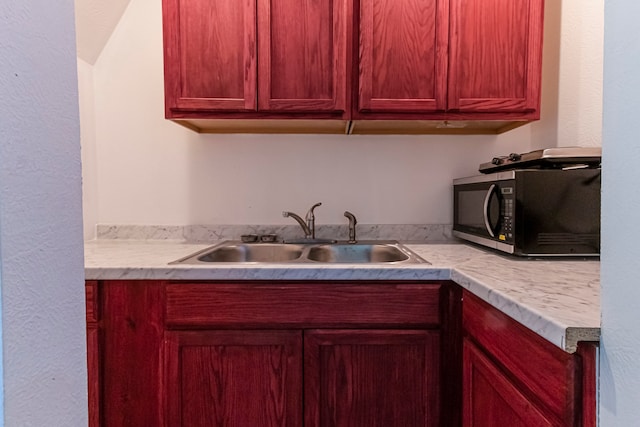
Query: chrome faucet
[
  {"x": 352, "y": 226},
  {"x": 309, "y": 227}
]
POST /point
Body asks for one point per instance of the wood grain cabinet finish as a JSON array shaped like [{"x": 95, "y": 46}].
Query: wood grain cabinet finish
[
  {"x": 302, "y": 55},
  {"x": 495, "y": 56},
  {"x": 512, "y": 376},
  {"x": 491, "y": 399},
  {"x": 403, "y": 55},
  {"x": 210, "y": 55},
  {"x": 449, "y": 59},
  {"x": 264, "y": 354},
  {"x": 254, "y": 56},
  {"x": 208, "y": 353},
  {"x": 233, "y": 378},
  {"x": 93, "y": 352},
  {"x": 371, "y": 378}
]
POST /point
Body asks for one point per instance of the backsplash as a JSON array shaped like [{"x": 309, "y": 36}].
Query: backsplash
[{"x": 212, "y": 233}]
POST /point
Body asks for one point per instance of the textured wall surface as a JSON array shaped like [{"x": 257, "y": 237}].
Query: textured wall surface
[
  {"x": 620, "y": 361},
  {"x": 580, "y": 72},
  {"x": 88, "y": 137},
  {"x": 95, "y": 20},
  {"x": 41, "y": 250}
]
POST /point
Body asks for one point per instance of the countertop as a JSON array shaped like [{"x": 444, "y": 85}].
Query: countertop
[{"x": 557, "y": 299}]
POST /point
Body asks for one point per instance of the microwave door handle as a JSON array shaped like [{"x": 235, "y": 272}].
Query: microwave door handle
[{"x": 487, "y": 200}]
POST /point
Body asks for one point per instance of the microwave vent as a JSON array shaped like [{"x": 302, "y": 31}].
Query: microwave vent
[{"x": 570, "y": 239}]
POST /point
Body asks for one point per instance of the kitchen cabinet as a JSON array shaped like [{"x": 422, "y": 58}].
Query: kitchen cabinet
[
  {"x": 235, "y": 377},
  {"x": 511, "y": 376},
  {"x": 372, "y": 378},
  {"x": 448, "y": 65},
  {"x": 355, "y": 66},
  {"x": 495, "y": 57},
  {"x": 323, "y": 353},
  {"x": 93, "y": 352},
  {"x": 403, "y": 56},
  {"x": 256, "y": 59},
  {"x": 273, "y": 353}
]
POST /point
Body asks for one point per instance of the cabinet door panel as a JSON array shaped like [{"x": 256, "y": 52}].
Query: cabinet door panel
[
  {"x": 495, "y": 55},
  {"x": 302, "y": 55},
  {"x": 403, "y": 55},
  {"x": 371, "y": 378},
  {"x": 210, "y": 55},
  {"x": 525, "y": 354},
  {"x": 490, "y": 399},
  {"x": 130, "y": 353},
  {"x": 233, "y": 378}
]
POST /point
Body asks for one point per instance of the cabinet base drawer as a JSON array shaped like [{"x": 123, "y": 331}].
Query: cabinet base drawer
[{"x": 302, "y": 305}]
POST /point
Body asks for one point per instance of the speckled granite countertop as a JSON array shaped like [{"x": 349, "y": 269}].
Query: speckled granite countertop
[{"x": 557, "y": 299}]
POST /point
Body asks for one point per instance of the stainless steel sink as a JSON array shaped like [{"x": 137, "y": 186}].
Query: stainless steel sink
[
  {"x": 357, "y": 253},
  {"x": 365, "y": 252},
  {"x": 246, "y": 252}
]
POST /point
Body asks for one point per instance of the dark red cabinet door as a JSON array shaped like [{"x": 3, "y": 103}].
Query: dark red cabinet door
[
  {"x": 256, "y": 55},
  {"x": 491, "y": 399},
  {"x": 302, "y": 55},
  {"x": 495, "y": 56},
  {"x": 210, "y": 49},
  {"x": 372, "y": 378},
  {"x": 233, "y": 378},
  {"x": 403, "y": 55}
]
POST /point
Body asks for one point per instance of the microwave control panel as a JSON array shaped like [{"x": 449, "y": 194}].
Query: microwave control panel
[{"x": 507, "y": 207}]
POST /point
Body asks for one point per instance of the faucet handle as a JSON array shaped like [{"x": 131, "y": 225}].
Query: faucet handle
[{"x": 352, "y": 226}]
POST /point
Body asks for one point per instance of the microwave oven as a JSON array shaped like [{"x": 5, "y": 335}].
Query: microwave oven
[{"x": 531, "y": 212}]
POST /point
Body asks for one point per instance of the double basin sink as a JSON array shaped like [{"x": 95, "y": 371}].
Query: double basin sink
[{"x": 364, "y": 252}]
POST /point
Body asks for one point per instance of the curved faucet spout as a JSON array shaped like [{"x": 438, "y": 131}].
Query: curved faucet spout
[
  {"x": 309, "y": 227},
  {"x": 311, "y": 220},
  {"x": 308, "y": 234}
]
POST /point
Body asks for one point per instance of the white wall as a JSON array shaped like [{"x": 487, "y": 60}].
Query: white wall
[
  {"x": 620, "y": 361},
  {"x": 88, "y": 137},
  {"x": 151, "y": 171},
  {"x": 41, "y": 247},
  {"x": 580, "y": 72}
]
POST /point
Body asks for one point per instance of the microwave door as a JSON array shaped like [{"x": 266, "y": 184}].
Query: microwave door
[{"x": 491, "y": 210}]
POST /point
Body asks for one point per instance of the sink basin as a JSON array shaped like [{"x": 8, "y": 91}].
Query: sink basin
[
  {"x": 242, "y": 252},
  {"x": 363, "y": 252},
  {"x": 357, "y": 253}
]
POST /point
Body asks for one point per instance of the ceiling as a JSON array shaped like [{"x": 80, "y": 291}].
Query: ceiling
[{"x": 95, "y": 21}]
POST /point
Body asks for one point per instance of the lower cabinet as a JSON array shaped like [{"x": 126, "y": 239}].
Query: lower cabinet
[
  {"x": 270, "y": 354},
  {"x": 343, "y": 354},
  {"x": 371, "y": 378},
  {"x": 233, "y": 378},
  {"x": 258, "y": 378},
  {"x": 491, "y": 399},
  {"x": 513, "y": 377}
]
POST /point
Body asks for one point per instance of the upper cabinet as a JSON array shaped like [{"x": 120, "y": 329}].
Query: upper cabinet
[
  {"x": 450, "y": 66},
  {"x": 302, "y": 55},
  {"x": 210, "y": 49},
  {"x": 255, "y": 58},
  {"x": 495, "y": 56},
  {"x": 394, "y": 66},
  {"x": 403, "y": 56}
]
